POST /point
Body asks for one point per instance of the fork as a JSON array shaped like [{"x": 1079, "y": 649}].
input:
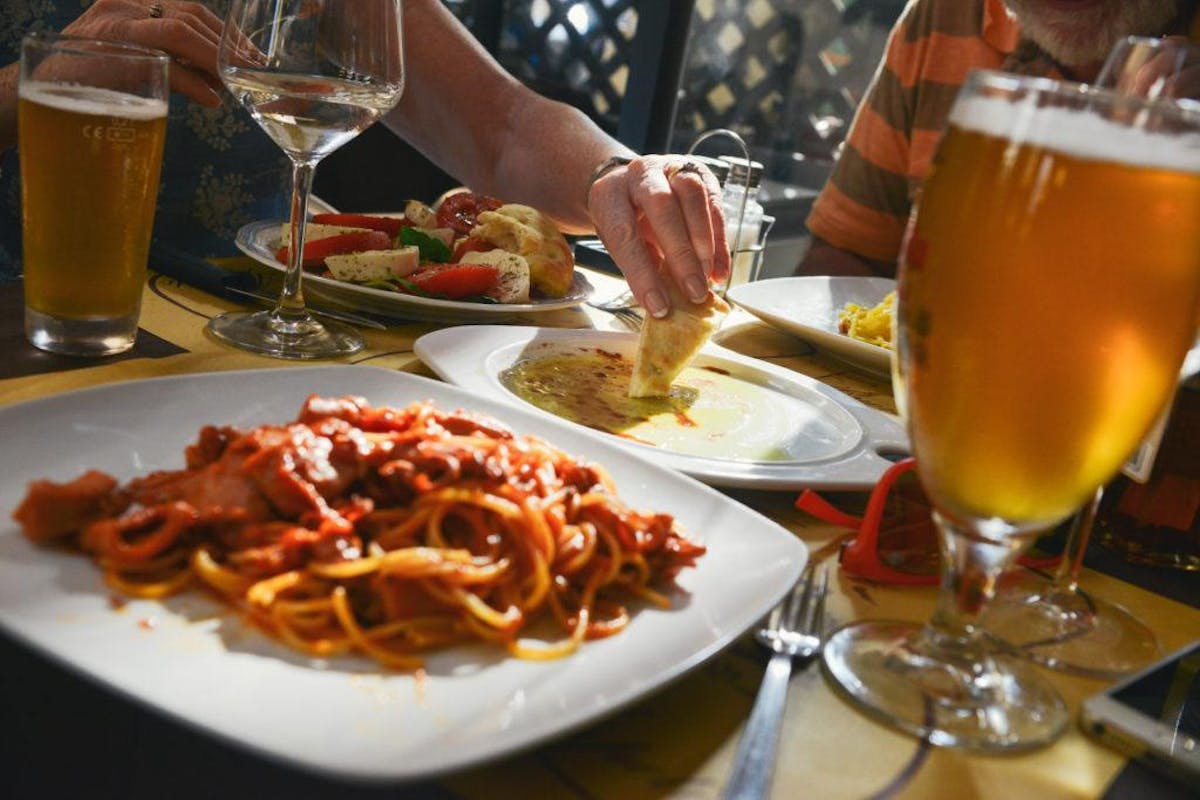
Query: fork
[
  {"x": 793, "y": 632},
  {"x": 624, "y": 307}
]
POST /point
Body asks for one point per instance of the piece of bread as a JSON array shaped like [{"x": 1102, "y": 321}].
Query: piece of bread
[
  {"x": 534, "y": 236},
  {"x": 513, "y": 283},
  {"x": 667, "y": 345}
]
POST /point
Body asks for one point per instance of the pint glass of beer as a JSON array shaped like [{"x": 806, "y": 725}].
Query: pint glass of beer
[
  {"x": 92, "y": 117},
  {"x": 1049, "y": 290}
]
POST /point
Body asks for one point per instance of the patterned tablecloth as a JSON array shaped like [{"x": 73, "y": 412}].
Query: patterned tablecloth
[{"x": 679, "y": 742}]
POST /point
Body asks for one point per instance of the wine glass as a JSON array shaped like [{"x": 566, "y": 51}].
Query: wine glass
[
  {"x": 1043, "y": 314},
  {"x": 1051, "y": 620},
  {"x": 313, "y": 75},
  {"x": 1157, "y": 69}
]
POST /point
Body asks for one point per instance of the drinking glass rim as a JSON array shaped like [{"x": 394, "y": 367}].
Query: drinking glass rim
[
  {"x": 1156, "y": 41},
  {"x": 81, "y": 45},
  {"x": 1183, "y": 111}
]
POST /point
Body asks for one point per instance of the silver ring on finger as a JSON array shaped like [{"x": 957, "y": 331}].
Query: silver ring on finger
[
  {"x": 155, "y": 10},
  {"x": 690, "y": 167}
]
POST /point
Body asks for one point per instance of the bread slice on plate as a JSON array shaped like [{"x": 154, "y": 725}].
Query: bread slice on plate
[{"x": 668, "y": 344}]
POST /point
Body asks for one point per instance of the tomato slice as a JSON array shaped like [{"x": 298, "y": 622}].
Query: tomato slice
[
  {"x": 459, "y": 210},
  {"x": 317, "y": 250},
  {"x": 471, "y": 244},
  {"x": 389, "y": 225},
  {"x": 456, "y": 281}
]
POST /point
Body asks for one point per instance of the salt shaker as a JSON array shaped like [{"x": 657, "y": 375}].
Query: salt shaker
[{"x": 743, "y": 215}]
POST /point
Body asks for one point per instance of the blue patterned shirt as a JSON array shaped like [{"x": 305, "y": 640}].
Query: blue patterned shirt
[{"x": 220, "y": 170}]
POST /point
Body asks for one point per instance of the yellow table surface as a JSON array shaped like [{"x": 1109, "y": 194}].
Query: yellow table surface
[{"x": 680, "y": 742}]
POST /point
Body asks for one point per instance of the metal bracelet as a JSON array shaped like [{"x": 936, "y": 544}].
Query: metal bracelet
[{"x": 603, "y": 168}]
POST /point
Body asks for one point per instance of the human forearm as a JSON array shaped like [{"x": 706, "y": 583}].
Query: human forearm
[
  {"x": 658, "y": 215},
  {"x": 485, "y": 128},
  {"x": 554, "y": 175}
]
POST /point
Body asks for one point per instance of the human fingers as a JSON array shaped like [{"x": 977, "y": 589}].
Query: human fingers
[
  {"x": 179, "y": 38},
  {"x": 697, "y": 192},
  {"x": 1161, "y": 75},
  {"x": 1185, "y": 85},
  {"x": 193, "y": 55},
  {"x": 616, "y": 222},
  {"x": 111, "y": 19},
  {"x": 650, "y": 192},
  {"x": 187, "y": 38},
  {"x": 203, "y": 16},
  {"x": 197, "y": 86}
]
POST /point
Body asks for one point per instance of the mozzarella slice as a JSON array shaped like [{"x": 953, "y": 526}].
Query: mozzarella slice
[
  {"x": 316, "y": 230},
  {"x": 374, "y": 265},
  {"x": 513, "y": 285},
  {"x": 420, "y": 214}
]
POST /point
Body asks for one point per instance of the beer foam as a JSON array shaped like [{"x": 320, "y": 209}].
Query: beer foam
[
  {"x": 93, "y": 100},
  {"x": 1077, "y": 132}
]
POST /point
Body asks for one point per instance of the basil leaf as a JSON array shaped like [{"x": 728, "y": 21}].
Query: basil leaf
[{"x": 432, "y": 248}]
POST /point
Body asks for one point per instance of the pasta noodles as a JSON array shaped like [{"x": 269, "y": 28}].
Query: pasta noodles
[
  {"x": 382, "y": 531},
  {"x": 870, "y": 324}
]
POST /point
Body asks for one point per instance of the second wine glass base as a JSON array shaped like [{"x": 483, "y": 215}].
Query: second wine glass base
[
  {"x": 895, "y": 673},
  {"x": 1071, "y": 631},
  {"x": 300, "y": 337}
]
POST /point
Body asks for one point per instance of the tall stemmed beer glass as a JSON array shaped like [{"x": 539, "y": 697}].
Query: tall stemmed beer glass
[
  {"x": 1049, "y": 290},
  {"x": 313, "y": 75},
  {"x": 1054, "y": 622}
]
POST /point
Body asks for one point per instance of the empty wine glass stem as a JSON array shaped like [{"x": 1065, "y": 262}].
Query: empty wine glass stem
[
  {"x": 1066, "y": 577},
  {"x": 291, "y": 298}
]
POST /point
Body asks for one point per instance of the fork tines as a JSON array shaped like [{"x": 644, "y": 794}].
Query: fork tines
[{"x": 802, "y": 612}]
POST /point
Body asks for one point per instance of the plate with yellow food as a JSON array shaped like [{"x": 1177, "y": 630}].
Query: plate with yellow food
[
  {"x": 467, "y": 257},
  {"x": 725, "y": 419},
  {"x": 848, "y": 318}
]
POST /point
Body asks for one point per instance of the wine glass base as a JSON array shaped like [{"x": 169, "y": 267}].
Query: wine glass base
[
  {"x": 271, "y": 334},
  {"x": 899, "y": 674},
  {"x": 1071, "y": 631}
]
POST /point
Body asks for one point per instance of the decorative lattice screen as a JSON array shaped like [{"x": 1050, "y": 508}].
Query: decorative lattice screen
[{"x": 786, "y": 74}]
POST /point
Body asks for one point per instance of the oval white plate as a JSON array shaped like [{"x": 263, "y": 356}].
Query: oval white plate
[
  {"x": 808, "y": 307},
  {"x": 840, "y": 443},
  {"x": 200, "y": 662},
  {"x": 260, "y": 240}
]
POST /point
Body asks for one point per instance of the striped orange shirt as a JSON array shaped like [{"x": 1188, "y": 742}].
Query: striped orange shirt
[{"x": 865, "y": 205}]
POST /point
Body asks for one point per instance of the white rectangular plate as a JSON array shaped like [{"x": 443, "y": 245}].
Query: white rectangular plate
[
  {"x": 808, "y": 307},
  {"x": 836, "y": 441},
  {"x": 192, "y": 657}
]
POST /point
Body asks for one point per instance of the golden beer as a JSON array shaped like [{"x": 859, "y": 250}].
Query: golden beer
[
  {"x": 90, "y": 161},
  {"x": 1050, "y": 289}
]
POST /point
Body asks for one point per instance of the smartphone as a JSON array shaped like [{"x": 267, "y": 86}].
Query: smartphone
[{"x": 1154, "y": 716}]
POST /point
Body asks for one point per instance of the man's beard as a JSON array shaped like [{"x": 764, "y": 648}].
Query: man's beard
[{"x": 1077, "y": 38}]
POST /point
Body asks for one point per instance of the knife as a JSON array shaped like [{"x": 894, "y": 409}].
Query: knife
[{"x": 231, "y": 285}]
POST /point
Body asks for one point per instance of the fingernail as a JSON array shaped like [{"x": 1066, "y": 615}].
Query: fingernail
[
  {"x": 697, "y": 289},
  {"x": 655, "y": 303}
]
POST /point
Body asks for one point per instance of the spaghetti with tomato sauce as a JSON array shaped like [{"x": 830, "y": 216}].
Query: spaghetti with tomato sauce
[{"x": 383, "y": 531}]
